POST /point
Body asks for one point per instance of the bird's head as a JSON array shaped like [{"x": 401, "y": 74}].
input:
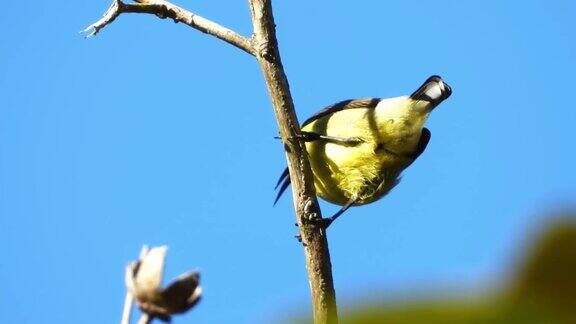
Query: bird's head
[{"x": 433, "y": 91}]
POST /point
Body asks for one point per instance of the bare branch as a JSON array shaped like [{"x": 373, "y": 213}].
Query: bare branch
[
  {"x": 305, "y": 203},
  {"x": 164, "y": 9}
]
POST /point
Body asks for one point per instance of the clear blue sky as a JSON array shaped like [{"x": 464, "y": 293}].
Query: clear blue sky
[{"x": 155, "y": 133}]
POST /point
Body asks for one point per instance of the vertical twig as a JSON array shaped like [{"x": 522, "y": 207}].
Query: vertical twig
[
  {"x": 306, "y": 205},
  {"x": 127, "y": 312}
]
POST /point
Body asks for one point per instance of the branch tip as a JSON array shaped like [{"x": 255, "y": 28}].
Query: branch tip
[{"x": 111, "y": 13}]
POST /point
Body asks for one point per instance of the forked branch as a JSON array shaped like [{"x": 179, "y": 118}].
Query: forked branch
[{"x": 264, "y": 46}]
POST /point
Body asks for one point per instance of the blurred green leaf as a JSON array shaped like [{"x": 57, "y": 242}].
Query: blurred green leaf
[{"x": 541, "y": 290}]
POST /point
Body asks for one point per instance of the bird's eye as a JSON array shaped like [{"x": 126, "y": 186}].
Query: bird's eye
[{"x": 434, "y": 92}]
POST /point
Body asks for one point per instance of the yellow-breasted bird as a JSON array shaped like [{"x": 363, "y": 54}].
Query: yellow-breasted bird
[{"x": 358, "y": 148}]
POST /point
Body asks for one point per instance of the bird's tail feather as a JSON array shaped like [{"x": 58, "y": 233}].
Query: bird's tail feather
[{"x": 283, "y": 182}]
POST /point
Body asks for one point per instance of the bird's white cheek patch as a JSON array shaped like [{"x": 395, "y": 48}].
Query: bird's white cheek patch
[{"x": 434, "y": 92}]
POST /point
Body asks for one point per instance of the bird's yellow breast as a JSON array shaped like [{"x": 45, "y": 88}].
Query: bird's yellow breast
[{"x": 388, "y": 133}]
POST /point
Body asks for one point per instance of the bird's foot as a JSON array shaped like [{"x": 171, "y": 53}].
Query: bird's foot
[
  {"x": 320, "y": 222},
  {"x": 323, "y": 222},
  {"x": 299, "y": 238}
]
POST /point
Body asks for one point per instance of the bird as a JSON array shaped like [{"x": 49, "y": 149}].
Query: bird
[{"x": 358, "y": 148}]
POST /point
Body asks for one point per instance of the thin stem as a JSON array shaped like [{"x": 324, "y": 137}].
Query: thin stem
[
  {"x": 145, "y": 319},
  {"x": 129, "y": 299},
  {"x": 127, "y": 312}
]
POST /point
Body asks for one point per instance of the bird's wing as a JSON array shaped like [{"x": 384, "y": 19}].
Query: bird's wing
[
  {"x": 424, "y": 140},
  {"x": 346, "y": 104},
  {"x": 368, "y": 103}
]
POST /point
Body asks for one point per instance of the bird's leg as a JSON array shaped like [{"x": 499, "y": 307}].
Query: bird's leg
[
  {"x": 325, "y": 222},
  {"x": 311, "y": 136}
]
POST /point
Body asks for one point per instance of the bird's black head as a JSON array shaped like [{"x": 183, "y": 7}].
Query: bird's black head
[{"x": 433, "y": 90}]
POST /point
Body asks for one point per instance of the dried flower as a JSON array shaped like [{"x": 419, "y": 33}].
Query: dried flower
[{"x": 143, "y": 280}]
